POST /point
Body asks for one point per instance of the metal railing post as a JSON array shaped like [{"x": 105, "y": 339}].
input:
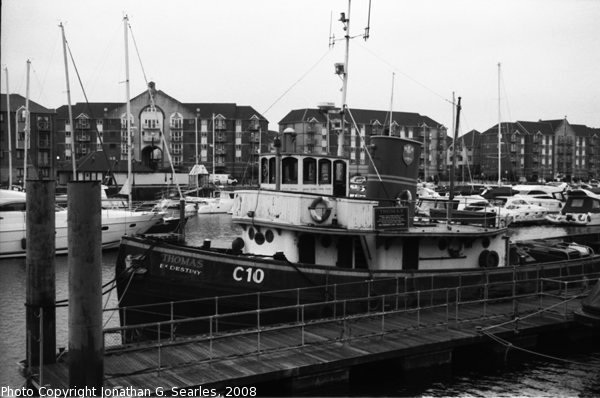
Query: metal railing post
[
  {"x": 258, "y": 329},
  {"x": 334, "y": 300},
  {"x": 210, "y": 336},
  {"x": 418, "y": 308},
  {"x": 172, "y": 319},
  {"x": 217, "y": 313},
  {"x": 302, "y": 312},
  {"x": 41, "y": 346},
  {"x": 457, "y": 300},
  {"x": 159, "y": 351}
]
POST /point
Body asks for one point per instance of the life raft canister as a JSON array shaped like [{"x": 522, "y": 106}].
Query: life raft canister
[{"x": 320, "y": 210}]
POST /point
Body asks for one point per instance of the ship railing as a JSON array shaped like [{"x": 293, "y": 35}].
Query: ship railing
[
  {"x": 344, "y": 319},
  {"x": 391, "y": 285}
]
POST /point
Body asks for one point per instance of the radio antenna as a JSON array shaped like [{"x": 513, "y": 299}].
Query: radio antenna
[
  {"x": 368, "y": 28},
  {"x": 331, "y": 35}
]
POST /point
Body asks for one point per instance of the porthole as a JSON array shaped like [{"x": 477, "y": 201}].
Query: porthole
[
  {"x": 269, "y": 235},
  {"x": 259, "y": 238},
  {"x": 105, "y": 228}
]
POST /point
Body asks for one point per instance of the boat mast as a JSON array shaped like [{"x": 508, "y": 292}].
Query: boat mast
[
  {"x": 345, "y": 19},
  {"x": 73, "y": 160},
  {"x": 27, "y": 126},
  {"x": 455, "y": 139},
  {"x": 499, "y": 131},
  {"x": 128, "y": 111},
  {"x": 9, "y": 132},
  {"x": 214, "y": 145},
  {"x": 392, "y": 104}
]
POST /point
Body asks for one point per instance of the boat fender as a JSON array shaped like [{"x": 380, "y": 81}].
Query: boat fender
[
  {"x": 324, "y": 208},
  {"x": 489, "y": 259},
  {"x": 237, "y": 245},
  {"x": 589, "y": 218},
  {"x": 24, "y": 243},
  {"x": 581, "y": 217}
]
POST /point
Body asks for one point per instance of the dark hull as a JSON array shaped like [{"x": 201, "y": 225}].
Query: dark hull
[{"x": 168, "y": 272}]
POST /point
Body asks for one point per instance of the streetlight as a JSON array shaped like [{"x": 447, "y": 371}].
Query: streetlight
[{"x": 196, "y": 124}]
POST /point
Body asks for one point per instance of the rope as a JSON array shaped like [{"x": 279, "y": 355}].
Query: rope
[
  {"x": 510, "y": 345},
  {"x": 153, "y": 104},
  {"x": 297, "y": 81}
]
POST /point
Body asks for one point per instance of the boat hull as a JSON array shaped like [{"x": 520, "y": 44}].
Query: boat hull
[
  {"x": 115, "y": 224},
  {"x": 160, "y": 275}
]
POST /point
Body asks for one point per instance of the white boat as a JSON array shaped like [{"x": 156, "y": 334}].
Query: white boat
[
  {"x": 115, "y": 224},
  {"x": 517, "y": 209},
  {"x": 582, "y": 208},
  {"x": 220, "y": 203}
]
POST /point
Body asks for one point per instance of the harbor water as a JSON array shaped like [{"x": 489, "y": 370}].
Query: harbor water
[{"x": 572, "y": 370}]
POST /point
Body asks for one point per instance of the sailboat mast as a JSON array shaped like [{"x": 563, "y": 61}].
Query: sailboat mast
[
  {"x": 10, "y": 181},
  {"x": 345, "y": 19},
  {"x": 392, "y": 104},
  {"x": 73, "y": 158},
  {"x": 128, "y": 111},
  {"x": 214, "y": 145},
  {"x": 499, "y": 131},
  {"x": 27, "y": 126}
]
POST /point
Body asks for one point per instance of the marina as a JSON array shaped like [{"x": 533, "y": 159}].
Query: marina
[
  {"x": 524, "y": 374},
  {"x": 339, "y": 266}
]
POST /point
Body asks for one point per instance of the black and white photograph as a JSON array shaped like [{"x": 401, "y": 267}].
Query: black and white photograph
[{"x": 337, "y": 198}]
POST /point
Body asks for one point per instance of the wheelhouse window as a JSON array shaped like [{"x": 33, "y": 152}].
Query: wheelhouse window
[
  {"x": 272, "y": 174},
  {"x": 324, "y": 171},
  {"x": 309, "y": 171},
  {"x": 290, "y": 170}
]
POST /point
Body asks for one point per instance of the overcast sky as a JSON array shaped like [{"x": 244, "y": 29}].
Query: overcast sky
[{"x": 274, "y": 55}]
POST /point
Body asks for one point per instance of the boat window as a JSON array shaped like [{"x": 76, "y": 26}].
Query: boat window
[
  {"x": 309, "y": 171},
  {"x": 595, "y": 204},
  {"x": 577, "y": 203},
  {"x": 290, "y": 170},
  {"x": 264, "y": 170},
  {"x": 13, "y": 207},
  {"x": 272, "y": 173},
  {"x": 324, "y": 171}
]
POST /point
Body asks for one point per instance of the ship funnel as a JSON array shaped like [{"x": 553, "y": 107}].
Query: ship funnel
[{"x": 393, "y": 172}]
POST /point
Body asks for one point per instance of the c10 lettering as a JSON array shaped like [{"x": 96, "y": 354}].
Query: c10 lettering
[{"x": 255, "y": 275}]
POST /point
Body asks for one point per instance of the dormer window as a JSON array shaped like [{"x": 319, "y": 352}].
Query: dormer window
[{"x": 176, "y": 121}]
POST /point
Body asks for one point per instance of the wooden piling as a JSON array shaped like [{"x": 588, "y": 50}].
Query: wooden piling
[
  {"x": 86, "y": 343},
  {"x": 41, "y": 282}
]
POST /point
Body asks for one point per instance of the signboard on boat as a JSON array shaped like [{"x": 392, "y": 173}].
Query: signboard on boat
[{"x": 391, "y": 218}]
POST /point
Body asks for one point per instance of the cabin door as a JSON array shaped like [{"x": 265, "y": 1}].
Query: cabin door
[
  {"x": 306, "y": 249},
  {"x": 339, "y": 178},
  {"x": 410, "y": 254}
]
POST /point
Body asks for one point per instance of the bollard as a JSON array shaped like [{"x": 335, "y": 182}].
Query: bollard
[
  {"x": 86, "y": 344},
  {"x": 41, "y": 282}
]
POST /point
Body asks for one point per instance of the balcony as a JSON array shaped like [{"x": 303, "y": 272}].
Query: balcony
[
  {"x": 44, "y": 144},
  {"x": 150, "y": 136},
  {"x": 220, "y": 125},
  {"x": 220, "y": 138},
  {"x": 254, "y": 126},
  {"x": 83, "y": 137}
]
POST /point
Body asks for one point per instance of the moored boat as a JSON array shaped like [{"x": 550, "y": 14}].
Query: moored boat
[
  {"x": 581, "y": 208},
  {"x": 115, "y": 224},
  {"x": 589, "y": 313}
]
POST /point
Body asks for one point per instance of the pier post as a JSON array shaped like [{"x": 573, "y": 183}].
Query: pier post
[
  {"x": 41, "y": 282},
  {"x": 86, "y": 343}
]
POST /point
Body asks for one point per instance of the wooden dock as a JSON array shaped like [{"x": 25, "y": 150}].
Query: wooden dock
[{"x": 325, "y": 350}]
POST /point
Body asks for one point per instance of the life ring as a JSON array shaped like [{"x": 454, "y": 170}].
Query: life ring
[
  {"x": 489, "y": 259},
  {"x": 404, "y": 196},
  {"x": 320, "y": 210}
]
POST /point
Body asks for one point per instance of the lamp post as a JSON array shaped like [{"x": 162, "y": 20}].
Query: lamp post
[{"x": 196, "y": 125}]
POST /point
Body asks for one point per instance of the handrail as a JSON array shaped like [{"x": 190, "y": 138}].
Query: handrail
[
  {"x": 383, "y": 299},
  {"x": 325, "y": 288}
]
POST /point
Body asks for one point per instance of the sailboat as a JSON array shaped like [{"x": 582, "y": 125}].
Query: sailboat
[{"x": 301, "y": 230}]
